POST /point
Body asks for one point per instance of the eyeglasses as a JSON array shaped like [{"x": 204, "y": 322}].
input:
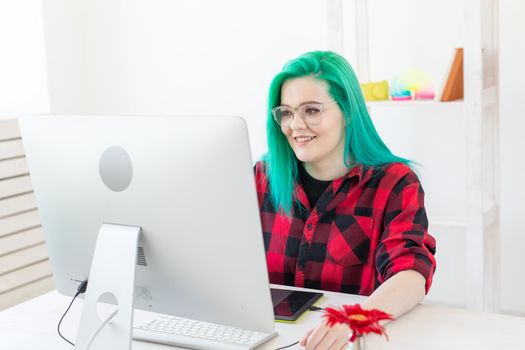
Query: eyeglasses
[{"x": 310, "y": 114}]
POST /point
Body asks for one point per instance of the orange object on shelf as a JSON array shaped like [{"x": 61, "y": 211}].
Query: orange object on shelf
[{"x": 453, "y": 87}]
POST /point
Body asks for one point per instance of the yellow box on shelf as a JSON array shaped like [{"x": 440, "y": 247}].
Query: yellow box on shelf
[{"x": 375, "y": 91}]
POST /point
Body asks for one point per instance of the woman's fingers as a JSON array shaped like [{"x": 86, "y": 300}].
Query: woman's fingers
[
  {"x": 315, "y": 337},
  {"x": 340, "y": 344},
  {"x": 334, "y": 338},
  {"x": 305, "y": 337}
]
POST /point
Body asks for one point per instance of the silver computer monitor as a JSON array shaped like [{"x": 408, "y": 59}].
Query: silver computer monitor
[{"x": 186, "y": 181}]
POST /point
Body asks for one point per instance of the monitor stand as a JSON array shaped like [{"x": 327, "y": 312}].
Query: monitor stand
[{"x": 113, "y": 272}]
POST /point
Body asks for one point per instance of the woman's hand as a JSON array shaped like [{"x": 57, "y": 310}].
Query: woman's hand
[
  {"x": 396, "y": 296},
  {"x": 324, "y": 337}
]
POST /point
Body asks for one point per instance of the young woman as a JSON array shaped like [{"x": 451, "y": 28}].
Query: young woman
[{"x": 339, "y": 211}]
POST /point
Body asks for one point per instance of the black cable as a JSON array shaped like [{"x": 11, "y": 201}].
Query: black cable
[
  {"x": 80, "y": 290},
  {"x": 311, "y": 308},
  {"x": 288, "y": 346},
  {"x": 316, "y": 308}
]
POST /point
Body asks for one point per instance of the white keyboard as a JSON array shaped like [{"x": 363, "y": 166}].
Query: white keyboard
[{"x": 194, "y": 334}]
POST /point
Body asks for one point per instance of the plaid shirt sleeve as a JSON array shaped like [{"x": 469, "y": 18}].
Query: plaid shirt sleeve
[{"x": 405, "y": 243}]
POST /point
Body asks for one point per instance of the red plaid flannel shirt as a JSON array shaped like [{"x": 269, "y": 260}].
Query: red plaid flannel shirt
[{"x": 365, "y": 227}]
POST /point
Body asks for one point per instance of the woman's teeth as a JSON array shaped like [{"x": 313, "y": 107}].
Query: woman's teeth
[{"x": 304, "y": 139}]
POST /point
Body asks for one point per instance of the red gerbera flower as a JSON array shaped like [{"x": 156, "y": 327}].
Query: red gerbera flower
[{"x": 359, "y": 320}]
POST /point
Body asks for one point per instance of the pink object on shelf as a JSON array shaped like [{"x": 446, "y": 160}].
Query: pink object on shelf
[
  {"x": 401, "y": 98},
  {"x": 425, "y": 95}
]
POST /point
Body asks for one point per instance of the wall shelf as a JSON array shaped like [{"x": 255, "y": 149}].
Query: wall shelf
[
  {"x": 459, "y": 140},
  {"x": 424, "y": 104}
]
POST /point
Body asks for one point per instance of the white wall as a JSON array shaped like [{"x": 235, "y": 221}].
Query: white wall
[
  {"x": 512, "y": 173},
  {"x": 176, "y": 57},
  {"x": 23, "y": 80}
]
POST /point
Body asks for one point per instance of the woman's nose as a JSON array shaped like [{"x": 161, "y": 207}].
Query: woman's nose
[{"x": 297, "y": 122}]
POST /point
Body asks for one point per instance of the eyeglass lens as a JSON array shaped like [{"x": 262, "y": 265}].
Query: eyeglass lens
[{"x": 311, "y": 114}]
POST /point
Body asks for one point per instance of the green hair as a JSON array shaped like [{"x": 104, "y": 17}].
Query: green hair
[{"x": 362, "y": 143}]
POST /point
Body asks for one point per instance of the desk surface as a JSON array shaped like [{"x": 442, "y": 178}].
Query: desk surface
[{"x": 32, "y": 325}]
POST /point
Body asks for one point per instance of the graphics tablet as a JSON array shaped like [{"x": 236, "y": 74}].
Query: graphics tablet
[{"x": 288, "y": 305}]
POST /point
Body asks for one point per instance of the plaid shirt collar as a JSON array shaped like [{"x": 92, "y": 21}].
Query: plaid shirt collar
[{"x": 357, "y": 172}]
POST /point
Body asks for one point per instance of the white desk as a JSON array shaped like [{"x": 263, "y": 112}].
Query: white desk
[{"x": 32, "y": 325}]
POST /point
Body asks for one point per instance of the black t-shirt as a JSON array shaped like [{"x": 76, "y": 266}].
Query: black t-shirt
[{"x": 313, "y": 187}]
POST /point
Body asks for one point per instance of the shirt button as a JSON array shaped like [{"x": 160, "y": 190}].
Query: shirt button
[{"x": 309, "y": 226}]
